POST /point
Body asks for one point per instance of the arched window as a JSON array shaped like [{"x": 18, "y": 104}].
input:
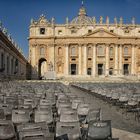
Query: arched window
[
  {"x": 126, "y": 51},
  {"x": 59, "y": 51},
  {"x": 111, "y": 51},
  {"x": 100, "y": 50},
  {"x": 42, "y": 51},
  {"x": 73, "y": 51},
  {"x": 89, "y": 51}
]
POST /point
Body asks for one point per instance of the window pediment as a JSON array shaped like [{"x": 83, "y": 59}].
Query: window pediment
[{"x": 101, "y": 33}]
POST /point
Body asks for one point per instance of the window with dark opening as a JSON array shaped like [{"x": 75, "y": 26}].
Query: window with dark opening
[
  {"x": 42, "y": 31},
  {"x": 89, "y": 31},
  {"x": 112, "y": 31},
  {"x": 89, "y": 71},
  {"x": 73, "y": 59}
]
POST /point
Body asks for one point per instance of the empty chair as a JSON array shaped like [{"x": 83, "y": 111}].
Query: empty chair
[
  {"x": 2, "y": 115},
  {"x": 63, "y": 105},
  {"x": 32, "y": 126},
  {"x": 7, "y": 131},
  {"x": 67, "y": 110},
  {"x": 99, "y": 130},
  {"x": 114, "y": 98},
  {"x": 34, "y": 135},
  {"x": 25, "y": 107},
  {"x": 7, "y": 109},
  {"x": 31, "y": 102},
  {"x": 72, "y": 130},
  {"x": 20, "y": 116},
  {"x": 82, "y": 111},
  {"x": 43, "y": 116},
  {"x": 45, "y": 102},
  {"x": 76, "y": 102},
  {"x": 94, "y": 115},
  {"x": 132, "y": 105}
]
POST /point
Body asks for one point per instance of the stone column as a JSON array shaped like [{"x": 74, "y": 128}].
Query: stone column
[
  {"x": 94, "y": 61},
  {"x": 67, "y": 60},
  {"x": 85, "y": 60},
  {"x": 10, "y": 64},
  {"x": 14, "y": 66},
  {"x": 116, "y": 59},
  {"x": 107, "y": 60},
  {"x": 0, "y": 58},
  {"x": 33, "y": 62},
  {"x": 120, "y": 60},
  {"x": 5, "y": 63},
  {"x": 133, "y": 60},
  {"x": 80, "y": 56}
]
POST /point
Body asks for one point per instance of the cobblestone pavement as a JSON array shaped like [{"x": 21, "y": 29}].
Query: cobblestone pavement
[{"x": 119, "y": 120}]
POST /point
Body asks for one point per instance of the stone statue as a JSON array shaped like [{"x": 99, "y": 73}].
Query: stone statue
[
  {"x": 50, "y": 66},
  {"x": 53, "y": 20},
  {"x": 67, "y": 20},
  {"x": 32, "y": 21},
  {"x": 133, "y": 21},
  {"x": 101, "y": 20},
  {"x": 121, "y": 20},
  {"x": 94, "y": 20},
  {"x": 107, "y": 20},
  {"x": 115, "y": 20},
  {"x": 0, "y": 25},
  {"x": 5, "y": 31}
]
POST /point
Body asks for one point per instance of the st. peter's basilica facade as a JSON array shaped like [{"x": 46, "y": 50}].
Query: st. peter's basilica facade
[{"x": 84, "y": 47}]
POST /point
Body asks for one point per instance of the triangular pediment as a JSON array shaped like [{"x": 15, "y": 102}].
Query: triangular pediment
[{"x": 101, "y": 33}]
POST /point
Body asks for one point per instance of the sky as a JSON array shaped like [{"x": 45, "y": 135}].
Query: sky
[{"x": 16, "y": 14}]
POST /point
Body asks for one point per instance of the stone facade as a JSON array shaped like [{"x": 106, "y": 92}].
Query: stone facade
[
  {"x": 84, "y": 47},
  {"x": 12, "y": 62}
]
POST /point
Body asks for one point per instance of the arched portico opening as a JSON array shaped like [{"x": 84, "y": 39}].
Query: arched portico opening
[{"x": 42, "y": 68}]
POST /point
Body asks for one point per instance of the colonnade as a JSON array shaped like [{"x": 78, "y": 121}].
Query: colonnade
[
  {"x": 11, "y": 66},
  {"x": 118, "y": 60}
]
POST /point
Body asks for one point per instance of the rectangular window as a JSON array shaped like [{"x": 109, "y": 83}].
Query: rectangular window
[
  {"x": 73, "y": 59},
  {"x": 89, "y": 31},
  {"x": 89, "y": 59},
  {"x": 73, "y": 31},
  {"x": 126, "y": 31},
  {"x": 42, "y": 31},
  {"x": 112, "y": 31},
  {"x": 60, "y": 32}
]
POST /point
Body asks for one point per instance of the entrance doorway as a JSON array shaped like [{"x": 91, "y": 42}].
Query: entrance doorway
[
  {"x": 73, "y": 69},
  {"x": 111, "y": 71},
  {"x": 42, "y": 68},
  {"x": 126, "y": 69},
  {"x": 100, "y": 69},
  {"x": 89, "y": 71}
]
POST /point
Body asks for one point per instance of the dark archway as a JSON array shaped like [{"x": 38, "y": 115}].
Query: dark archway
[{"x": 41, "y": 60}]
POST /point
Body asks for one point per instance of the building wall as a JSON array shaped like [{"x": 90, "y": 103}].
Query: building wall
[
  {"x": 93, "y": 48},
  {"x": 12, "y": 62}
]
